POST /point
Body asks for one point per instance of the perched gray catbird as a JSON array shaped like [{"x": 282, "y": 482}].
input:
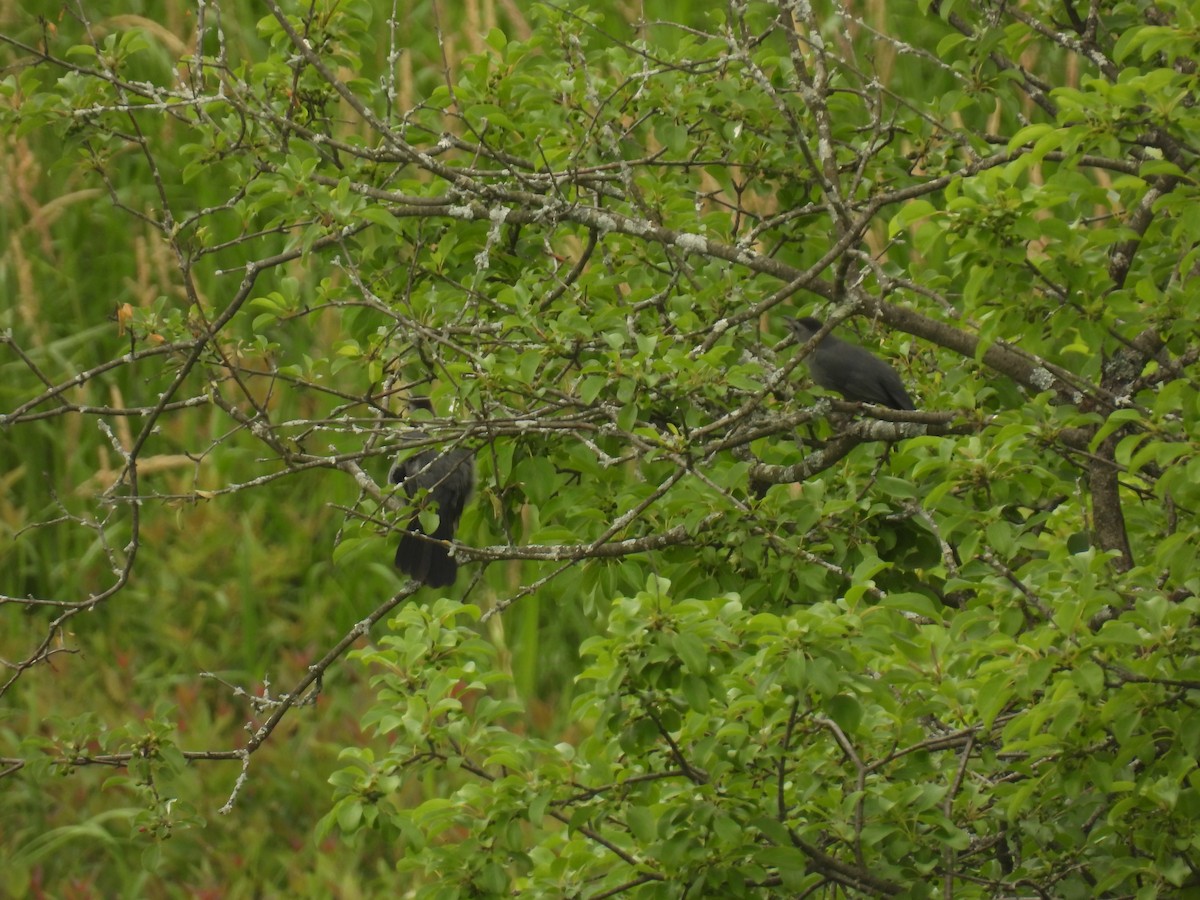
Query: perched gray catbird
[
  {"x": 448, "y": 475},
  {"x": 850, "y": 370}
]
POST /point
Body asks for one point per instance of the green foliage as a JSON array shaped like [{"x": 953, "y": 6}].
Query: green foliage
[
  {"x": 720, "y": 740},
  {"x": 714, "y": 634}
]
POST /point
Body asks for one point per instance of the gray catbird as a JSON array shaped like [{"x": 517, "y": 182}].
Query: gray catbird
[
  {"x": 448, "y": 476},
  {"x": 850, "y": 370}
]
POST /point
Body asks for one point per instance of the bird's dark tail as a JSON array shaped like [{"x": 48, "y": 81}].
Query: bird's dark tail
[{"x": 421, "y": 558}]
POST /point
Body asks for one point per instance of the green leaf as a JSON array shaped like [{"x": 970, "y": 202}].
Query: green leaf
[
  {"x": 349, "y": 814},
  {"x": 1116, "y": 419},
  {"x": 910, "y": 212},
  {"x": 354, "y": 550},
  {"x": 380, "y": 216},
  {"x": 691, "y": 651},
  {"x": 641, "y": 823},
  {"x": 1030, "y": 134},
  {"x": 845, "y": 711}
]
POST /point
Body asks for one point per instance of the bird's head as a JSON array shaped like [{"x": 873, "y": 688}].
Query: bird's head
[{"x": 804, "y": 328}]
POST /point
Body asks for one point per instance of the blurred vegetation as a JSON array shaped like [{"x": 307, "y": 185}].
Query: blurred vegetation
[{"x": 713, "y": 637}]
